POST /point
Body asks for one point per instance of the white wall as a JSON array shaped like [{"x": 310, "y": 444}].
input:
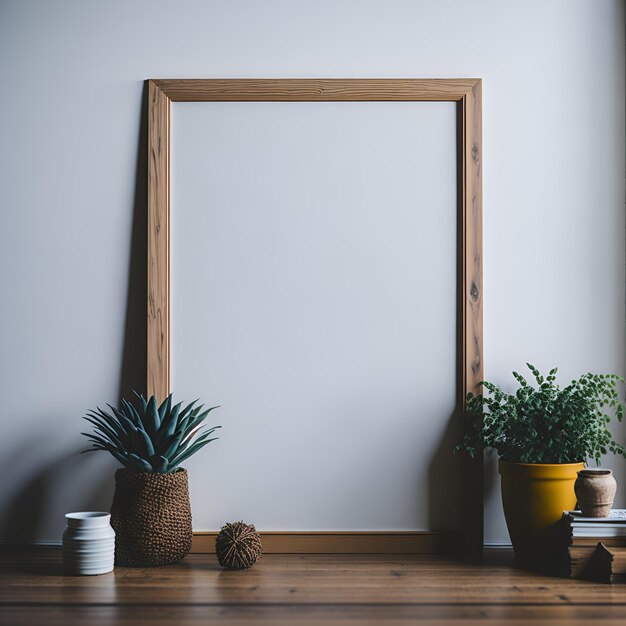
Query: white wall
[
  {"x": 313, "y": 276},
  {"x": 72, "y": 153}
]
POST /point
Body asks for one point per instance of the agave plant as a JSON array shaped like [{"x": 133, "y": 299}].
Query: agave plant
[{"x": 146, "y": 437}]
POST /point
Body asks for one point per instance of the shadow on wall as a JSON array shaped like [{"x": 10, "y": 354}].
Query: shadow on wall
[
  {"x": 134, "y": 361},
  {"x": 491, "y": 480},
  {"x": 35, "y": 511},
  {"x": 444, "y": 480}
]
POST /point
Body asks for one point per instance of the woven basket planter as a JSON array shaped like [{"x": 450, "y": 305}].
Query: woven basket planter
[{"x": 151, "y": 516}]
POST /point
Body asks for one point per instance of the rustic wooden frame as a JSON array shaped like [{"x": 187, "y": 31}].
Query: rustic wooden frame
[{"x": 467, "y": 93}]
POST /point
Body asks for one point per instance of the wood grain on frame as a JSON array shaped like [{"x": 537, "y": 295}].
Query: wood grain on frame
[
  {"x": 316, "y": 90},
  {"x": 472, "y": 300},
  {"x": 467, "y": 92},
  {"x": 158, "y": 375}
]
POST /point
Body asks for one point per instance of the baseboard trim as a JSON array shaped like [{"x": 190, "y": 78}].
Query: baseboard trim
[
  {"x": 318, "y": 542},
  {"x": 345, "y": 542}
]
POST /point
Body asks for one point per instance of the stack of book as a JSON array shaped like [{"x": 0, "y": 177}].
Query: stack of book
[{"x": 596, "y": 546}]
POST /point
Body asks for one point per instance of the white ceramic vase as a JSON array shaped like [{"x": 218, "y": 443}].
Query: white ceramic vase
[{"x": 88, "y": 544}]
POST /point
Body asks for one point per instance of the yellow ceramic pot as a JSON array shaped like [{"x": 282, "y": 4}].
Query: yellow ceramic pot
[{"x": 534, "y": 498}]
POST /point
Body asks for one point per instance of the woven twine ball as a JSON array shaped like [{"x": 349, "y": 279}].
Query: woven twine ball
[{"x": 238, "y": 546}]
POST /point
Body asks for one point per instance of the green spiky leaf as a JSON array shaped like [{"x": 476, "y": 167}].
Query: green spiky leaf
[
  {"x": 146, "y": 437},
  {"x": 150, "y": 419},
  {"x": 169, "y": 423},
  {"x": 187, "y": 453},
  {"x": 165, "y": 408},
  {"x": 144, "y": 465}
]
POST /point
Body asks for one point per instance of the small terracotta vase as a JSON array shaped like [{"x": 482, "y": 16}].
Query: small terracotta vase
[{"x": 595, "y": 490}]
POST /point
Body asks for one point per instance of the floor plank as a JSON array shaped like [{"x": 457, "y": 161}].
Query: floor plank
[{"x": 303, "y": 589}]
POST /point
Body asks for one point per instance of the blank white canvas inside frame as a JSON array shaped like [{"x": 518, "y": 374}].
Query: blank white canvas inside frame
[{"x": 313, "y": 294}]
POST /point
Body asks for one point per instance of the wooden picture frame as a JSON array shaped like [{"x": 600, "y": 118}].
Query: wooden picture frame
[{"x": 466, "y": 92}]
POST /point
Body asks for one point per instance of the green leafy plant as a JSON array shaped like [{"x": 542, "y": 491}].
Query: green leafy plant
[
  {"x": 146, "y": 437},
  {"x": 544, "y": 423}
]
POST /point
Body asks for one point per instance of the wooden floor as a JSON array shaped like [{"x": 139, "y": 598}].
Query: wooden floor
[{"x": 301, "y": 589}]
